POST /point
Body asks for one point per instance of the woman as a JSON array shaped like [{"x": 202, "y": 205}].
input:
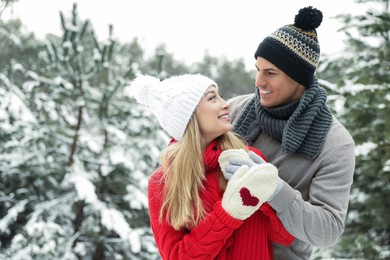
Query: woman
[{"x": 194, "y": 212}]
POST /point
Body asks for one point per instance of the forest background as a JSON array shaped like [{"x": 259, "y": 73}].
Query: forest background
[{"x": 76, "y": 152}]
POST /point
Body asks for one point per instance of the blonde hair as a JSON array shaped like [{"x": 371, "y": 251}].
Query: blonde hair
[{"x": 183, "y": 175}]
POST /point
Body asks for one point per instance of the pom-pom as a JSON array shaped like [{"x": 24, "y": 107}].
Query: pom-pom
[
  {"x": 308, "y": 18},
  {"x": 143, "y": 87}
]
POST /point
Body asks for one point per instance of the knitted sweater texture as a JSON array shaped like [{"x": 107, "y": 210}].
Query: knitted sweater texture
[{"x": 218, "y": 236}]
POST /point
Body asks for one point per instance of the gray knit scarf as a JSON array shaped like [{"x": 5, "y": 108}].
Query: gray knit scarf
[{"x": 300, "y": 126}]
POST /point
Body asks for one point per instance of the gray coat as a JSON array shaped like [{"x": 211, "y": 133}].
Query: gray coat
[{"x": 313, "y": 201}]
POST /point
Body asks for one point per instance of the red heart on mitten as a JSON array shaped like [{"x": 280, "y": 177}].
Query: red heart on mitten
[{"x": 247, "y": 198}]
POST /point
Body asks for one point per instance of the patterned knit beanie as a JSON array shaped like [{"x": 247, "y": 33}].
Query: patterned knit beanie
[
  {"x": 172, "y": 100},
  {"x": 294, "y": 48}
]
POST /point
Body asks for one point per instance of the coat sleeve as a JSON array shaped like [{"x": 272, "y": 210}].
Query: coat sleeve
[
  {"x": 205, "y": 241},
  {"x": 320, "y": 220}
]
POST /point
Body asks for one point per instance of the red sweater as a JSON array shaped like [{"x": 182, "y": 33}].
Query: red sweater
[{"x": 218, "y": 235}]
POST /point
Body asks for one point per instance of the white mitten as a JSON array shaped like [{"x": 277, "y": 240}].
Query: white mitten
[{"x": 248, "y": 189}]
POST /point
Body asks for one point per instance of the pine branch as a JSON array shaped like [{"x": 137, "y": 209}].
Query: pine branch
[{"x": 75, "y": 137}]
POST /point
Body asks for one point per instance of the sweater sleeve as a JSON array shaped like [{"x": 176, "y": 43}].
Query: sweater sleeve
[
  {"x": 275, "y": 229},
  {"x": 205, "y": 241}
]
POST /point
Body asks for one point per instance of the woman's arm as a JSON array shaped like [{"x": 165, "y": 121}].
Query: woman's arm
[
  {"x": 275, "y": 229},
  {"x": 205, "y": 241}
]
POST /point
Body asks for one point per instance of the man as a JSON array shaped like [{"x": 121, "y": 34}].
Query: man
[{"x": 288, "y": 120}]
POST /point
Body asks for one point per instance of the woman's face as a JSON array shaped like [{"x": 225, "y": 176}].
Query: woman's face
[
  {"x": 275, "y": 87},
  {"x": 213, "y": 118}
]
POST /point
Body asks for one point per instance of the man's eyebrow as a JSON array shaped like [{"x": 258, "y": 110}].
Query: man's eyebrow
[
  {"x": 270, "y": 69},
  {"x": 267, "y": 69}
]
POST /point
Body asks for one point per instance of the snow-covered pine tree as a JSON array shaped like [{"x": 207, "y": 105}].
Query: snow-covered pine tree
[
  {"x": 362, "y": 101},
  {"x": 77, "y": 153}
]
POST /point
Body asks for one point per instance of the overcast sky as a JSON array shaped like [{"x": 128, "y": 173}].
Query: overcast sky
[{"x": 188, "y": 27}]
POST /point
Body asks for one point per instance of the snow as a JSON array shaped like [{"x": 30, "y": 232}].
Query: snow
[
  {"x": 365, "y": 148},
  {"x": 137, "y": 198},
  {"x": 387, "y": 96},
  {"x": 12, "y": 37},
  {"x": 96, "y": 54},
  {"x": 387, "y": 166},
  {"x": 84, "y": 187},
  {"x": 11, "y": 216},
  {"x": 112, "y": 219},
  {"x": 117, "y": 156},
  {"x": 354, "y": 88},
  {"x": 13, "y": 104},
  {"x": 30, "y": 85},
  {"x": 92, "y": 139},
  {"x": 117, "y": 133},
  {"x": 67, "y": 44}
]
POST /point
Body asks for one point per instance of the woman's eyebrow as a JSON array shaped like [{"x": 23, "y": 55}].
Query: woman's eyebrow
[{"x": 212, "y": 91}]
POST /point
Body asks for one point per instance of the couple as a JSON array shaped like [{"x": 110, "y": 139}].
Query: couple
[{"x": 215, "y": 195}]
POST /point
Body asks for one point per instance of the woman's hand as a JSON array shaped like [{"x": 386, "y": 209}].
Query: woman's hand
[{"x": 248, "y": 188}]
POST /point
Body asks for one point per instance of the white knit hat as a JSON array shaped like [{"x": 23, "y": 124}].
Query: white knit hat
[{"x": 172, "y": 100}]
